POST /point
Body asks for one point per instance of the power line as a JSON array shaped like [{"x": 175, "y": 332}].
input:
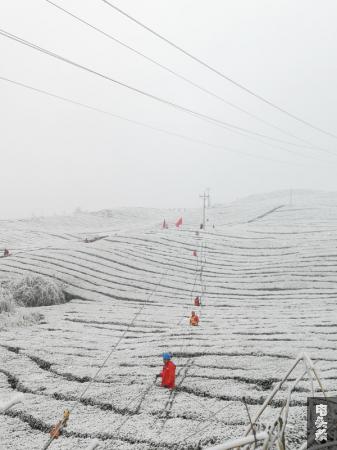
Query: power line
[
  {"x": 142, "y": 124},
  {"x": 199, "y": 430},
  {"x": 142, "y": 395},
  {"x": 201, "y": 116},
  {"x": 221, "y": 74},
  {"x": 187, "y": 80},
  {"x": 204, "y": 197},
  {"x": 114, "y": 347}
]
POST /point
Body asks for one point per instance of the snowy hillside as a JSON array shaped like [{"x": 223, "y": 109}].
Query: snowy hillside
[{"x": 270, "y": 276}]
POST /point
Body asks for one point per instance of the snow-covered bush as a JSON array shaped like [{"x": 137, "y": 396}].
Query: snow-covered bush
[
  {"x": 35, "y": 290},
  {"x": 7, "y": 304}
]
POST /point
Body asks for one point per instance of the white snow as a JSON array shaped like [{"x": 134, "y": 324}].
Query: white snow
[{"x": 271, "y": 279}]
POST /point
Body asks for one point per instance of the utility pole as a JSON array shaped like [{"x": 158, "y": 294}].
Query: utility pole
[
  {"x": 204, "y": 197},
  {"x": 209, "y": 198}
]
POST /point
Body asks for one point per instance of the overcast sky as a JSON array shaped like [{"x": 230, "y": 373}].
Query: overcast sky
[{"x": 56, "y": 157}]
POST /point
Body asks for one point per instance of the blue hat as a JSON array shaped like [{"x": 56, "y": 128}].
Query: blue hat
[{"x": 167, "y": 356}]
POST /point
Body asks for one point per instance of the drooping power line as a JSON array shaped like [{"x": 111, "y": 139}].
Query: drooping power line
[
  {"x": 221, "y": 74},
  {"x": 199, "y": 115},
  {"x": 142, "y": 124},
  {"x": 176, "y": 74}
]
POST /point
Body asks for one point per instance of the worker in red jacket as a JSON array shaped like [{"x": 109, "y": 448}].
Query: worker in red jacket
[
  {"x": 168, "y": 374},
  {"x": 197, "y": 301},
  {"x": 194, "y": 319}
]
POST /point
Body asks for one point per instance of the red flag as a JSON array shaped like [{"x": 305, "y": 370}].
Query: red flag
[
  {"x": 194, "y": 253},
  {"x": 179, "y": 222}
]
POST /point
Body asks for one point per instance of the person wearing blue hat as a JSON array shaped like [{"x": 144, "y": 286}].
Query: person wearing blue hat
[{"x": 168, "y": 374}]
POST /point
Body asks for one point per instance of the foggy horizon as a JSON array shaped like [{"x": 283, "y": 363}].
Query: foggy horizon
[
  {"x": 168, "y": 217},
  {"x": 57, "y": 156},
  {"x": 285, "y": 193}
]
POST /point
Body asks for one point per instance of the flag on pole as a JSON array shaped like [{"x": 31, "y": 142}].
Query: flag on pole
[{"x": 179, "y": 222}]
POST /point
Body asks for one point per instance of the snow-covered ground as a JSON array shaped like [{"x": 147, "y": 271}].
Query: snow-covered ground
[{"x": 270, "y": 275}]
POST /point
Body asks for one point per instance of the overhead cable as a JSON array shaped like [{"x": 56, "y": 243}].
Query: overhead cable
[
  {"x": 218, "y": 72},
  {"x": 204, "y": 117},
  {"x": 176, "y": 74}
]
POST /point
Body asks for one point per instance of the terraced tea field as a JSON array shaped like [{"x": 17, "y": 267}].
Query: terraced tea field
[{"x": 270, "y": 276}]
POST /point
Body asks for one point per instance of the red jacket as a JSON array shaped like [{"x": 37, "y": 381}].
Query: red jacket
[
  {"x": 168, "y": 375},
  {"x": 194, "y": 320}
]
